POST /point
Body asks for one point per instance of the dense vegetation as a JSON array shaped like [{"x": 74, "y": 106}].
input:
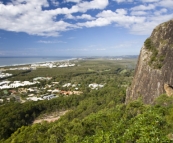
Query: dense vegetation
[
  {"x": 156, "y": 59},
  {"x": 15, "y": 115},
  {"x": 96, "y": 116}
]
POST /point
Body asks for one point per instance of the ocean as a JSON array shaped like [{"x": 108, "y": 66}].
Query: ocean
[{"x": 13, "y": 61}]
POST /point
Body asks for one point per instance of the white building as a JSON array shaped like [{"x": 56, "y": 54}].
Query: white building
[
  {"x": 2, "y": 75},
  {"x": 1, "y": 100},
  {"x": 15, "y": 84},
  {"x": 95, "y": 86},
  {"x": 67, "y": 85},
  {"x": 34, "y": 98},
  {"x": 48, "y": 97}
]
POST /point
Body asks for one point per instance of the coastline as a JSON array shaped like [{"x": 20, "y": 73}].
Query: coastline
[{"x": 52, "y": 60}]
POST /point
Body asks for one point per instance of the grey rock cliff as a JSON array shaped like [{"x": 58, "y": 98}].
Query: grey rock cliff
[{"x": 155, "y": 65}]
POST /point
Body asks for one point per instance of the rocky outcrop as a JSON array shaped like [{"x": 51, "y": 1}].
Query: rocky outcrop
[
  {"x": 168, "y": 89},
  {"x": 155, "y": 65}
]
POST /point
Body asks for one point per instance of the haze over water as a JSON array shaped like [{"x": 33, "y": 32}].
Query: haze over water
[{"x": 11, "y": 61}]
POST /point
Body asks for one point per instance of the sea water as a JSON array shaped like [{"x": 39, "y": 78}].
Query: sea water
[{"x": 12, "y": 61}]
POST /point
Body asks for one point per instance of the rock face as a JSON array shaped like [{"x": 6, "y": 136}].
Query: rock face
[
  {"x": 155, "y": 66},
  {"x": 168, "y": 89}
]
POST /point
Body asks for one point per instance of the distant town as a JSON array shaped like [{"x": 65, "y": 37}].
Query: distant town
[{"x": 22, "y": 91}]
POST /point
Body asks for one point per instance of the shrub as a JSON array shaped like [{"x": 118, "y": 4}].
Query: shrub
[{"x": 156, "y": 60}]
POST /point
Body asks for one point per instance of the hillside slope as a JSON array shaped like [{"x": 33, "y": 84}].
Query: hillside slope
[{"x": 154, "y": 68}]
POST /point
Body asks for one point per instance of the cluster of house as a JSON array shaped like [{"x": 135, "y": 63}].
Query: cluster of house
[
  {"x": 37, "y": 65},
  {"x": 52, "y": 65},
  {"x": 66, "y": 65},
  {"x": 34, "y": 93},
  {"x": 44, "y": 97},
  {"x": 42, "y": 78},
  {"x": 20, "y": 68},
  {"x": 2, "y": 75},
  {"x": 51, "y": 96},
  {"x": 96, "y": 86},
  {"x": 72, "y": 85},
  {"x": 117, "y": 59},
  {"x": 15, "y": 84},
  {"x": 49, "y": 65}
]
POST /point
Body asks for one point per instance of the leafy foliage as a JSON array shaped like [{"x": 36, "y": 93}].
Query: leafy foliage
[
  {"x": 98, "y": 116},
  {"x": 134, "y": 122},
  {"x": 15, "y": 115},
  {"x": 156, "y": 59}
]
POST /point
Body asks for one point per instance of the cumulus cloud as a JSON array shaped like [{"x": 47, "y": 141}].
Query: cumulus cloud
[
  {"x": 70, "y": 16},
  {"x": 145, "y": 1},
  {"x": 37, "y": 17},
  {"x": 139, "y": 13},
  {"x": 29, "y": 17},
  {"x": 160, "y": 12},
  {"x": 150, "y": 23},
  {"x": 75, "y": 1},
  {"x": 121, "y": 11},
  {"x": 143, "y": 7},
  {"x": 85, "y": 16},
  {"x": 98, "y": 22},
  {"x": 139, "y": 22},
  {"x": 120, "y": 1},
  {"x": 109, "y": 17},
  {"x": 166, "y": 3},
  {"x": 54, "y": 2},
  {"x": 95, "y": 4}
]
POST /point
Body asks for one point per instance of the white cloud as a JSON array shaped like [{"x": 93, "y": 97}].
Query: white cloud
[
  {"x": 54, "y": 2},
  {"x": 145, "y": 1},
  {"x": 143, "y": 28},
  {"x": 94, "y": 4},
  {"x": 138, "y": 13},
  {"x": 139, "y": 22},
  {"x": 30, "y": 18},
  {"x": 149, "y": 24},
  {"x": 166, "y": 3},
  {"x": 76, "y": 1},
  {"x": 120, "y": 1},
  {"x": 120, "y": 19},
  {"x": 70, "y": 16},
  {"x": 50, "y": 42},
  {"x": 109, "y": 17},
  {"x": 98, "y": 22},
  {"x": 160, "y": 12},
  {"x": 85, "y": 16},
  {"x": 121, "y": 11},
  {"x": 143, "y": 7}
]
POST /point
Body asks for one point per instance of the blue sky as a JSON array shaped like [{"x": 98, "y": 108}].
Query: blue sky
[{"x": 78, "y": 27}]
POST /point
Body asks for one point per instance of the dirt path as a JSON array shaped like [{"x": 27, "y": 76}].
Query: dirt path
[{"x": 51, "y": 118}]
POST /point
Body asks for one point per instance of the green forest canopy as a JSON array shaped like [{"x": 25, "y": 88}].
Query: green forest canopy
[{"x": 95, "y": 116}]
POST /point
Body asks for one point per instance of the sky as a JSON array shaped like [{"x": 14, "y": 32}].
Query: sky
[{"x": 79, "y": 27}]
